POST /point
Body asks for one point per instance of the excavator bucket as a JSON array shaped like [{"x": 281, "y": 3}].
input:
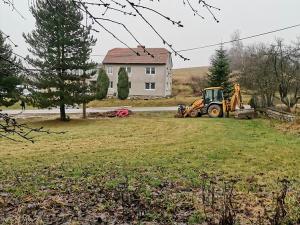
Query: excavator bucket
[{"x": 245, "y": 114}]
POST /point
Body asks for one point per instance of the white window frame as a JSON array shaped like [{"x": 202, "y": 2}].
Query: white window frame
[
  {"x": 150, "y": 67},
  {"x": 126, "y": 68},
  {"x": 111, "y": 84},
  {"x": 150, "y": 88},
  {"x": 109, "y": 70}
]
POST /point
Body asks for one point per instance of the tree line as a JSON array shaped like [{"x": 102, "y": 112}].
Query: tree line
[
  {"x": 60, "y": 50},
  {"x": 269, "y": 72}
]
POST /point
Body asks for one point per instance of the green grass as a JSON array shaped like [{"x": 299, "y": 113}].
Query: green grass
[{"x": 151, "y": 146}]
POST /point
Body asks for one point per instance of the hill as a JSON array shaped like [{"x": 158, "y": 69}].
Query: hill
[
  {"x": 184, "y": 78},
  {"x": 184, "y": 74}
]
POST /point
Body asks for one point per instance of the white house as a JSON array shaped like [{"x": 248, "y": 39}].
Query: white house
[{"x": 148, "y": 76}]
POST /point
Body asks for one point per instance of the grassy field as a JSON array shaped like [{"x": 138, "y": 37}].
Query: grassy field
[
  {"x": 154, "y": 153},
  {"x": 150, "y": 143}
]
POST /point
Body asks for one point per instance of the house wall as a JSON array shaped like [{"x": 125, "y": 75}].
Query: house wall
[
  {"x": 138, "y": 77},
  {"x": 169, "y": 78}
]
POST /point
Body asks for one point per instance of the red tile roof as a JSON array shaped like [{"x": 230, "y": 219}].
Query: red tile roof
[{"x": 127, "y": 56}]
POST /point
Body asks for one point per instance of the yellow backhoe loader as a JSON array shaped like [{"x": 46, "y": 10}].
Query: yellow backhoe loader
[{"x": 214, "y": 105}]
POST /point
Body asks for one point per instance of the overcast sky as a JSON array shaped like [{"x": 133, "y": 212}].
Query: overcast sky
[{"x": 247, "y": 16}]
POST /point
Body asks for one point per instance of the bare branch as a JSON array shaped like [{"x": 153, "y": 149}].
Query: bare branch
[
  {"x": 15, "y": 131},
  {"x": 12, "y": 5}
]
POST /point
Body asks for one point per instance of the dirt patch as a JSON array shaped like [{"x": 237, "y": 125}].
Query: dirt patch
[{"x": 213, "y": 202}]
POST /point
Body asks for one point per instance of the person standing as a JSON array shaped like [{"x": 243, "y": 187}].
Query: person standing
[{"x": 23, "y": 105}]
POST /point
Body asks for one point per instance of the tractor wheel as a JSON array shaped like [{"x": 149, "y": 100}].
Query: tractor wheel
[
  {"x": 214, "y": 111},
  {"x": 194, "y": 114}
]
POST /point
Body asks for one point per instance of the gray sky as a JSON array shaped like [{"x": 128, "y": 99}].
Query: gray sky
[{"x": 250, "y": 17}]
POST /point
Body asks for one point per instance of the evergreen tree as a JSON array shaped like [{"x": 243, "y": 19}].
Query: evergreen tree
[
  {"x": 102, "y": 84},
  {"x": 62, "y": 47},
  {"x": 219, "y": 72},
  {"x": 9, "y": 74},
  {"x": 123, "y": 84}
]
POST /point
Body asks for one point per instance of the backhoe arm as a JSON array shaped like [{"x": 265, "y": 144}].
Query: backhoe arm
[{"x": 236, "y": 99}]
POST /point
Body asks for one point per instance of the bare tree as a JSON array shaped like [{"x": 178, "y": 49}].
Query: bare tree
[
  {"x": 133, "y": 8},
  {"x": 257, "y": 74},
  {"x": 235, "y": 53},
  {"x": 286, "y": 66}
]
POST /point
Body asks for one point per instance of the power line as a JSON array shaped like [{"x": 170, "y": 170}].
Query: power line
[
  {"x": 12, "y": 4},
  {"x": 240, "y": 39},
  {"x": 8, "y": 38}
]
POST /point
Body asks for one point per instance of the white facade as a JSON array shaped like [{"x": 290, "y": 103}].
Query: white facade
[{"x": 144, "y": 80}]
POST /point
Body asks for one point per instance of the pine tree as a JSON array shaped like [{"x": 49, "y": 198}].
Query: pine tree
[
  {"x": 102, "y": 84},
  {"x": 219, "y": 72},
  {"x": 62, "y": 47},
  {"x": 9, "y": 74},
  {"x": 123, "y": 84}
]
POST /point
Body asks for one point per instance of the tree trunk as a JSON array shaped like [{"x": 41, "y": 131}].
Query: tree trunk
[
  {"x": 263, "y": 101},
  {"x": 84, "y": 110},
  {"x": 269, "y": 100},
  {"x": 63, "y": 112}
]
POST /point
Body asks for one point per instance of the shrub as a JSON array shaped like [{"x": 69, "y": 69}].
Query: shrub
[
  {"x": 102, "y": 84},
  {"x": 123, "y": 84}
]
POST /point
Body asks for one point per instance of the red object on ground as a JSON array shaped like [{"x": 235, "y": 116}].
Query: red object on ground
[
  {"x": 116, "y": 113},
  {"x": 122, "y": 113}
]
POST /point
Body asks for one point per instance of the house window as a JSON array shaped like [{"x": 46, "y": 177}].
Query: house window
[
  {"x": 111, "y": 84},
  {"x": 128, "y": 69},
  {"x": 109, "y": 70},
  {"x": 150, "y": 71},
  {"x": 129, "y": 84},
  {"x": 150, "y": 86}
]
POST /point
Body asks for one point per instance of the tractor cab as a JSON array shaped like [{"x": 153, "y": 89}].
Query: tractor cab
[
  {"x": 213, "y": 94},
  {"x": 213, "y": 99}
]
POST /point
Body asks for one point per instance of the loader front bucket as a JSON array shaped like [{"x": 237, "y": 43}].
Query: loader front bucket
[{"x": 180, "y": 111}]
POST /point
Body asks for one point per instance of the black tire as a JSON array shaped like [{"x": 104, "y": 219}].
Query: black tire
[{"x": 215, "y": 111}]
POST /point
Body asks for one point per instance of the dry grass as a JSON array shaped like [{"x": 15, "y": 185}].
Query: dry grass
[
  {"x": 184, "y": 75},
  {"x": 182, "y": 79}
]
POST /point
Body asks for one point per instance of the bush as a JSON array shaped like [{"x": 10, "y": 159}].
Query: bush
[
  {"x": 123, "y": 84},
  {"x": 102, "y": 85},
  {"x": 198, "y": 84}
]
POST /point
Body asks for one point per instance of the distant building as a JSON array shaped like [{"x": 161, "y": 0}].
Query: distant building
[{"x": 149, "y": 77}]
